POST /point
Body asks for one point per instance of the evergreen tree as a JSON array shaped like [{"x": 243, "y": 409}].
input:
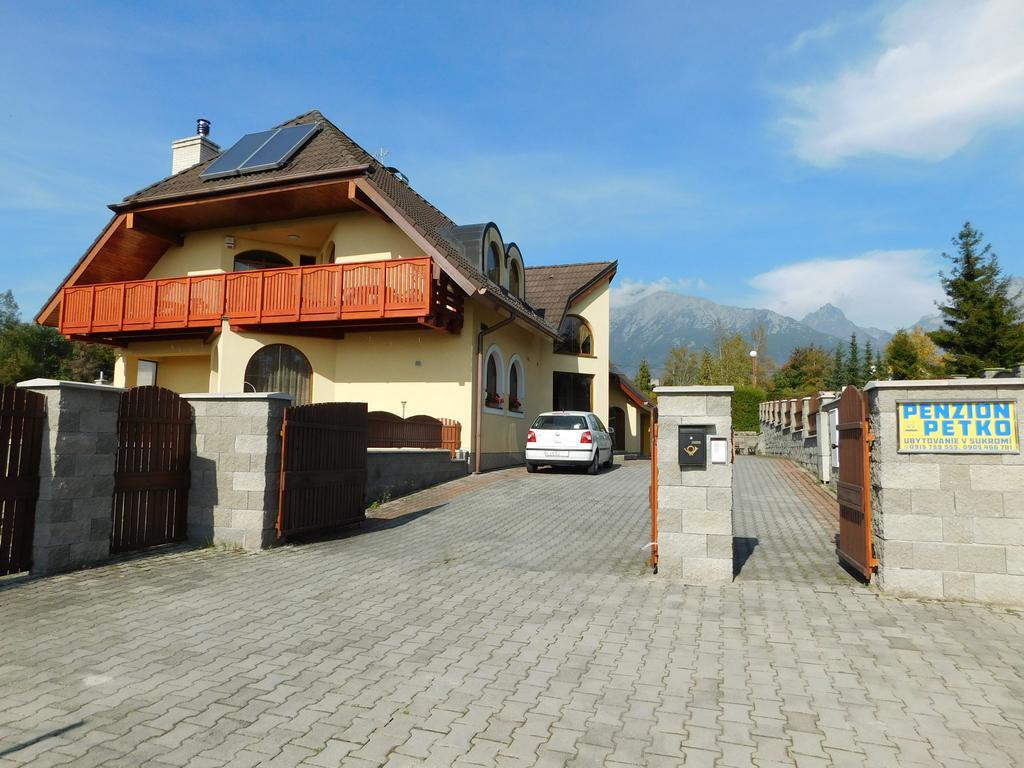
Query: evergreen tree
[
  {"x": 983, "y": 326},
  {"x": 853, "y": 369},
  {"x": 837, "y": 373},
  {"x": 881, "y": 370},
  {"x": 867, "y": 371},
  {"x": 643, "y": 378},
  {"x": 902, "y": 357}
]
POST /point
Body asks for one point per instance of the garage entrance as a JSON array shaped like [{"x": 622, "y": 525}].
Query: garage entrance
[{"x": 572, "y": 391}]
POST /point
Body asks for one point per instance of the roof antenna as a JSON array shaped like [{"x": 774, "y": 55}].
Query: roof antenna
[{"x": 382, "y": 156}]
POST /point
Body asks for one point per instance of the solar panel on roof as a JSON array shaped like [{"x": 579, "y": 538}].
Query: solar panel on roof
[
  {"x": 261, "y": 151},
  {"x": 280, "y": 147},
  {"x": 227, "y": 164}
]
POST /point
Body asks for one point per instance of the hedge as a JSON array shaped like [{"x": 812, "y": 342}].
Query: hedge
[{"x": 745, "y": 402}]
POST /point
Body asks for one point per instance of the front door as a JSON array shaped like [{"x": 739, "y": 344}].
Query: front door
[
  {"x": 618, "y": 420},
  {"x": 572, "y": 391}
]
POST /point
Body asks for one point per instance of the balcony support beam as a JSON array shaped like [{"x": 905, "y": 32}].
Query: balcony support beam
[{"x": 139, "y": 223}]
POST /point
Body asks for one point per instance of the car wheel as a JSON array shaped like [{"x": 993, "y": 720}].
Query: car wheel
[
  {"x": 595, "y": 464},
  {"x": 531, "y": 468},
  {"x": 611, "y": 459}
]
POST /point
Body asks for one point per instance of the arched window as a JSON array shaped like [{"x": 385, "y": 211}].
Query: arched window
[
  {"x": 280, "y": 368},
  {"x": 259, "y": 260},
  {"x": 516, "y": 385},
  {"x": 493, "y": 368},
  {"x": 492, "y": 264},
  {"x": 515, "y": 279},
  {"x": 576, "y": 337}
]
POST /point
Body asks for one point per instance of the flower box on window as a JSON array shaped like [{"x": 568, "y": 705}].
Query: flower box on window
[
  {"x": 493, "y": 400},
  {"x": 514, "y": 404}
]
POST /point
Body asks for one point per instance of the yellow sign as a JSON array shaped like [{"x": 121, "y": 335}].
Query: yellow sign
[{"x": 981, "y": 427}]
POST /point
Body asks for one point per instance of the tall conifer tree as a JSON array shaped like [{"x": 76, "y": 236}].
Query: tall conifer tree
[
  {"x": 983, "y": 326},
  {"x": 853, "y": 369}
]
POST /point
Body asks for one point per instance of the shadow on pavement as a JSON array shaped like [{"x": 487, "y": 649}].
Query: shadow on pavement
[{"x": 742, "y": 548}]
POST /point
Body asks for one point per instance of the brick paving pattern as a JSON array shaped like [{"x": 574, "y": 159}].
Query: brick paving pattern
[
  {"x": 784, "y": 524},
  {"x": 512, "y": 625}
]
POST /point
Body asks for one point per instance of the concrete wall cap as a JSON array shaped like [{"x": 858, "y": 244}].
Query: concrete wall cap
[
  {"x": 696, "y": 390},
  {"x": 945, "y": 384},
  {"x": 237, "y": 396},
  {"x": 445, "y": 451},
  {"x": 58, "y": 384}
]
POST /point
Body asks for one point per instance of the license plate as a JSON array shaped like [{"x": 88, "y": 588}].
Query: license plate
[{"x": 556, "y": 454}]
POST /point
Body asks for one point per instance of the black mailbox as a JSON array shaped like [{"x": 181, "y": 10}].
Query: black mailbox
[{"x": 693, "y": 446}]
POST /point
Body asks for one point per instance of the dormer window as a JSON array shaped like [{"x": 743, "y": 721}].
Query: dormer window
[
  {"x": 492, "y": 264},
  {"x": 515, "y": 279}
]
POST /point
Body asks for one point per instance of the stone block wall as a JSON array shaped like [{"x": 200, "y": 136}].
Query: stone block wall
[
  {"x": 393, "y": 472},
  {"x": 694, "y": 504},
  {"x": 946, "y": 525},
  {"x": 76, "y": 484},
  {"x": 795, "y": 442},
  {"x": 236, "y": 465}
]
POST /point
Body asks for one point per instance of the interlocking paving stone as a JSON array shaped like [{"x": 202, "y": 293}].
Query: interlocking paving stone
[{"x": 508, "y": 620}]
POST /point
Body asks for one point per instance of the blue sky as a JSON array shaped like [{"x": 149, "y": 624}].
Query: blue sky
[{"x": 768, "y": 154}]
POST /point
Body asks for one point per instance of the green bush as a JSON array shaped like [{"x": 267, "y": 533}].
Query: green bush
[{"x": 745, "y": 402}]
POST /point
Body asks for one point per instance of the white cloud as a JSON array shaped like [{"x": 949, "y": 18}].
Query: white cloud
[
  {"x": 885, "y": 289},
  {"x": 814, "y": 35},
  {"x": 942, "y": 72},
  {"x": 629, "y": 291}
]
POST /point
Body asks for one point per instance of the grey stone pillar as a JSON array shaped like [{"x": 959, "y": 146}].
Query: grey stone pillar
[
  {"x": 694, "y": 504},
  {"x": 74, "y": 517},
  {"x": 236, "y": 466},
  {"x": 946, "y": 525}
]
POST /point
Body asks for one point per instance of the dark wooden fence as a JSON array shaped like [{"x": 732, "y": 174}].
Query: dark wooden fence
[
  {"x": 323, "y": 467},
  {"x": 386, "y": 430},
  {"x": 152, "y": 469},
  {"x": 22, "y": 414}
]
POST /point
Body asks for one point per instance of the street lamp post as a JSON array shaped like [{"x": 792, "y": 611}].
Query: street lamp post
[{"x": 753, "y": 365}]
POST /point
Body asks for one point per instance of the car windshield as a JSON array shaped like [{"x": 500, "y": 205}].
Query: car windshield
[{"x": 560, "y": 421}]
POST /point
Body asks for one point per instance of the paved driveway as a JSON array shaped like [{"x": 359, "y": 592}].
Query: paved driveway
[{"x": 515, "y": 624}]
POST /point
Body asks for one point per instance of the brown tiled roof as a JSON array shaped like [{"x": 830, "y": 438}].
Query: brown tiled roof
[
  {"x": 329, "y": 150},
  {"x": 614, "y": 372},
  {"x": 551, "y": 288},
  {"x": 332, "y": 150}
]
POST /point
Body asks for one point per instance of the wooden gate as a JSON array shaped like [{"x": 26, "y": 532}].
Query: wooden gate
[
  {"x": 853, "y": 487},
  {"x": 152, "y": 470},
  {"x": 22, "y": 414},
  {"x": 323, "y": 467}
]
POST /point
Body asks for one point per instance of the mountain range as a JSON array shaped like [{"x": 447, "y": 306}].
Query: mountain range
[{"x": 649, "y": 328}]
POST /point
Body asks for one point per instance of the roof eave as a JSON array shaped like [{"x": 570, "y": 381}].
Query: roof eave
[{"x": 349, "y": 171}]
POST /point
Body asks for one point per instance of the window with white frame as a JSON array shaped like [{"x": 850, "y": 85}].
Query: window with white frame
[
  {"x": 494, "y": 367},
  {"x": 516, "y": 385}
]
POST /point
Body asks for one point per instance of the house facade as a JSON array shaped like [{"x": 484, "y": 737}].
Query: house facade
[{"x": 295, "y": 262}]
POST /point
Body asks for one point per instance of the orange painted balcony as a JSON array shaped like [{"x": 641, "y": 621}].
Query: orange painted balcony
[{"x": 332, "y": 293}]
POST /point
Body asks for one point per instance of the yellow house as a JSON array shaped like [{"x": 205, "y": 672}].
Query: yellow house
[{"x": 295, "y": 262}]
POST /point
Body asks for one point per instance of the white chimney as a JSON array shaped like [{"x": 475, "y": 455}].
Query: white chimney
[{"x": 195, "y": 149}]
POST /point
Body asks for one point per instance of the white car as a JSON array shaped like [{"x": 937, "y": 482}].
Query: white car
[{"x": 569, "y": 439}]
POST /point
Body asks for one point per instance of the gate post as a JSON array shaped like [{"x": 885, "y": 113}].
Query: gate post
[
  {"x": 695, "y": 484},
  {"x": 236, "y": 468},
  {"x": 76, "y": 474}
]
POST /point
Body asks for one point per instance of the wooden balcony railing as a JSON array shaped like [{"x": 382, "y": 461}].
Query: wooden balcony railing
[{"x": 398, "y": 288}]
